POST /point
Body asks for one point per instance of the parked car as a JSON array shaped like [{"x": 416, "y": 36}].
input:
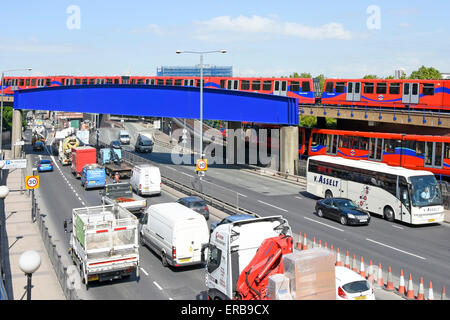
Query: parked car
[
  {"x": 352, "y": 286},
  {"x": 116, "y": 144},
  {"x": 197, "y": 204},
  {"x": 44, "y": 165},
  {"x": 343, "y": 210},
  {"x": 232, "y": 218}
]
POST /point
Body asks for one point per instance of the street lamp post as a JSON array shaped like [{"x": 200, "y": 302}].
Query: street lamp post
[
  {"x": 201, "y": 53},
  {"x": 1, "y": 107},
  {"x": 29, "y": 262}
]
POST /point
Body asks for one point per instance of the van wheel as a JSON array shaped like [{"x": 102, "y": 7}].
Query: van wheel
[
  {"x": 388, "y": 214},
  {"x": 164, "y": 260},
  {"x": 328, "y": 194}
]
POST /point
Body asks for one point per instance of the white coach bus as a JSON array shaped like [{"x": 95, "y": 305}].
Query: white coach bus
[{"x": 396, "y": 193}]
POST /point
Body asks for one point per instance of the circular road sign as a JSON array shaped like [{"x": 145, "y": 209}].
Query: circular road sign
[
  {"x": 32, "y": 182},
  {"x": 202, "y": 165}
]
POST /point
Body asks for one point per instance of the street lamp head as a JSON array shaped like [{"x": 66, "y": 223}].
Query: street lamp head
[
  {"x": 4, "y": 191},
  {"x": 179, "y": 51},
  {"x": 29, "y": 69},
  {"x": 223, "y": 51},
  {"x": 29, "y": 261}
]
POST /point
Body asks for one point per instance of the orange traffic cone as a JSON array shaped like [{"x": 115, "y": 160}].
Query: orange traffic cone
[
  {"x": 338, "y": 258},
  {"x": 304, "y": 244},
  {"x": 380, "y": 282},
  {"x": 370, "y": 277},
  {"x": 410, "y": 292},
  {"x": 401, "y": 285},
  {"x": 347, "y": 261},
  {"x": 390, "y": 282},
  {"x": 299, "y": 243},
  {"x": 430, "y": 292},
  {"x": 314, "y": 243},
  {"x": 362, "y": 271},
  {"x": 320, "y": 243},
  {"x": 354, "y": 268},
  {"x": 421, "y": 293},
  {"x": 331, "y": 248},
  {"x": 443, "y": 296},
  {"x": 325, "y": 245}
]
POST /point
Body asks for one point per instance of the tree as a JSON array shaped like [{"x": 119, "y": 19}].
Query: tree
[
  {"x": 301, "y": 75},
  {"x": 370, "y": 76},
  {"x": 425, "y": 73}
]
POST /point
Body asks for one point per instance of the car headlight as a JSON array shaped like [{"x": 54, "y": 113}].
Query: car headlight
[{"x": 351, "y": 216}]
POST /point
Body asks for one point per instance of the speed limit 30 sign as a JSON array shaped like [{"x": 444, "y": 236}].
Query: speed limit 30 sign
[
  {"x": 32, "y": 182},
  {"x": 202, "y": 164}
]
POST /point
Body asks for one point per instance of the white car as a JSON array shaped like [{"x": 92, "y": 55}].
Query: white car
[{"x": 352, "y": 286}]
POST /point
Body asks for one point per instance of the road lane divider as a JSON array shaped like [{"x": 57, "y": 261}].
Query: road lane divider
[
  {"x": 396, "y": 249},
  {"x": 271, "y": 205}
]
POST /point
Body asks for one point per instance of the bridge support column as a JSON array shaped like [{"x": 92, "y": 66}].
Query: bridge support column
[
  {"x": 289, "y": 149},
  {"x": 235, "y": 151},
  {"x": 321, "y": 122},
  {"x": 16, "y": 133}
]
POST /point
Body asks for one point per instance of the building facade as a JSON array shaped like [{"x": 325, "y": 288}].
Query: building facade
[{"x": 181, "y": 71}]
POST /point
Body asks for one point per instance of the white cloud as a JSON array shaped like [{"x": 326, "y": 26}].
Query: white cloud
[
  {"x": 256, "y": 25},
  {"x": 151, "y": 28}
]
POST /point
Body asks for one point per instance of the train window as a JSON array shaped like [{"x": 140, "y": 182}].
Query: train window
[
  {"x": 295, "y": 86},
  {"x": 177, "y": 82},
  {"x": 91, "y": 81},
  {"x": 245, "y": 85},
  {"x": 198, "y": 83},
  {"x": 318, "y": 139},
  {"x": 428, "y": 89},
  {"x": 140, "y": 81},
  {"x": 48, "y": 82},
  {"x": 27, "y": 82},
  {"x": 344, "y": 142},
  {"x": 306, "y": 86},
  {"x": 267, "y": 85},
  {"x": 329, "y": 87},
  {"x": 381, "y": 88},
  {"x": 33, "y": 82},
  {"x": 363, "y": 143},
  {"x": 84, "y": 81},
  {"x": 22, "y": 82},
  {"x": 390, "y": 145},
  {"x": 109, "y": 81},
  {"x": 283, "y": 85},
  {"x": 222, "y": 83},
  {"x": 169, "y": 82},
  {"x": 160, "y": 82},
  {"x": 132, "y": 81},
  {"x": 256, "y": 85},
  {"x": 415, "y": 89},
  {"x": 394, "y": 88},
  {"x": 420, "y": 148},
  {"x": 277, "y": 85},
  {"x": 354, "y": 142},
  {"x": 77, "y": 81},
  {"x": 63, "y": 82},
  {"x": 116, "y": 81},
  {"x": 368, "y": 87},
  {"x": 340, "y": 87}
]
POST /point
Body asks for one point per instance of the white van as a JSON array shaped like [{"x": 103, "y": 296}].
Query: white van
[
  {"x": 146, "y": 179},
  {"x": 175, "y": 232}
]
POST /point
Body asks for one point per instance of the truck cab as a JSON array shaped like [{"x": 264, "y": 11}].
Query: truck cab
[{"x": 232, "y": 247}]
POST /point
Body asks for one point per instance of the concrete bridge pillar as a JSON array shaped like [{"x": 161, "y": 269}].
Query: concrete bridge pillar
[
  {"x": 16, "y": 133},
  {"x": 289, "y": 149}
]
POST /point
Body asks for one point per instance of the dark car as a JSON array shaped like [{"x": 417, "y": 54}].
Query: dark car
[
  {"x": 197, "y": 204},
  {"x": 230, "y": 219},
  {"x": 343, "y": 210},
  {"x": 116, "y": 144}
]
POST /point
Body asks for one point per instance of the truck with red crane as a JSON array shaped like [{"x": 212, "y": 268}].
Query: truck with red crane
[{"x": 242, "y": 255}]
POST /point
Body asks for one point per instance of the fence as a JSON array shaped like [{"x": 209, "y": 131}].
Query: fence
[{"x": 55, "y": 257}]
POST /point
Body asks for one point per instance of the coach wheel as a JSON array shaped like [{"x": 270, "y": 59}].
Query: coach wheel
[
  {"x": 389, "y": 214},
  {"x": 328, "y": 194}
]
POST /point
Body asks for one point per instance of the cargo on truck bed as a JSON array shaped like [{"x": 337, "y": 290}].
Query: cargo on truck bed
[{"x": 122, "y": 194}]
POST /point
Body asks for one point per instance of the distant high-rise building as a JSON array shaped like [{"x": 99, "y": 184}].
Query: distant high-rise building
[
  {"x": 399, "y": 73},
  {"x": 208, "y": 71}
]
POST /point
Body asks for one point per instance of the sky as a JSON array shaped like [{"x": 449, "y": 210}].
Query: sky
[{"x": 341, "y": 39}]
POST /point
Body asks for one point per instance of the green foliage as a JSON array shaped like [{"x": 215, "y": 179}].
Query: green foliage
[
  {"x": 425, "y": 73},
  {"x": 370, "y": 76},
  {"x": 307, "y": 121},
  {"x": 7, "y": 118}
]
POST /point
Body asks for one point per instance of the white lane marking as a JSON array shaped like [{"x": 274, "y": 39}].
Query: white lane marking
[
  {"x": 397, "y": 227},
  {"x": 242, "y": 195},
  {"x": 323, "y": 224},
  {"x": 185, "y": 174},
  {"x": 393, "y": 248},
  {"x": 157, "y": 285},
  {"x": 83, "y": 203},
  {"x": 146, "y": 273},
  {"x": 271, "y": 205},
  {"x": 299, "y": 198}
]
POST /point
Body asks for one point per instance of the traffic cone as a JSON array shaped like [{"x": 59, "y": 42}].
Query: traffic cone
[
  {"x": 421, "y": 293},
  {"x": 430, "y": 292},
  {"x": 362, "y": 271},
  {"x": 390, "y": 282},
  {"x": 401, "y": 285},
  {"x": 354, "y": 268},
  {"x": 338, "y": 258},
  {"x": 299, "y": 243},
  {"x": 304, "y": 244},
  {"x": 347, "y": 261},
  {"x": 380, "y": 282},
  {"x": 331, "y": 248},
  {"x": 443, "y": 296},
  {"x": 370, "y": 277},
  {"x": 314, "y": 243},
  {"x": 320, "y": 243},
  {"x": 410, "y": 292},
  {"x": 325, "y": 245}
]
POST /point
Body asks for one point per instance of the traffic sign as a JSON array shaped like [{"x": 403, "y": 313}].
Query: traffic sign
[
  {"x": 32, "y": 182},
  {"x": 202, "y": 164},
  {"x": 19, "y": 143},
  {"x": 13, "y": 164}
]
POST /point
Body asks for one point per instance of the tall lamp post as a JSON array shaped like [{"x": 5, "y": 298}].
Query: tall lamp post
[
  {"x": 1, "y": 112},
  {"x": 201, "y": 53},
  {"x": 29, "y": 262}
]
